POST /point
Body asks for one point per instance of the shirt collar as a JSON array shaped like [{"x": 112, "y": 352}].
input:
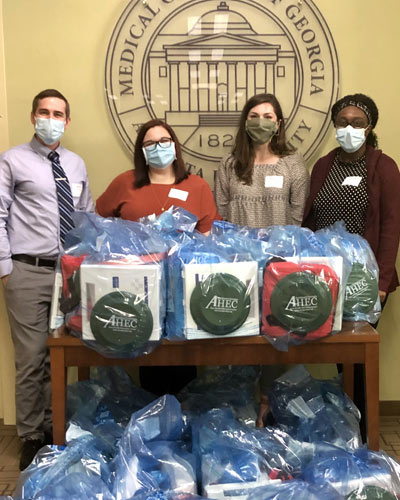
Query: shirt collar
[{"x": 41, "y": 149}]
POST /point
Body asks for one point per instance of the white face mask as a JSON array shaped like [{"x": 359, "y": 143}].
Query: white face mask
[
  {"x": 49, "y": 130},
  {"x": 350, "y": 139}
]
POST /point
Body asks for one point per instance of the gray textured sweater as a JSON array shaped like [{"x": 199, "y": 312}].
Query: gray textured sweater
[{"x": 277, "y": 195}]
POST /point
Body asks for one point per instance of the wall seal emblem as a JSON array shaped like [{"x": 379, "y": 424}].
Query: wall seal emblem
[{"x": 194, "y": 63}]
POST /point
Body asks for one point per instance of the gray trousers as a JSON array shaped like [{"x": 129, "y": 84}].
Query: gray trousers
[{"x": 28, "y": 297}]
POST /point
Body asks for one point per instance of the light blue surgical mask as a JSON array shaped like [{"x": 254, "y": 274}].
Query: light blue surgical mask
[
  {"x": 350, "y": 139},
  {"x": 160, "y": 157},
  {"x": 49, "y": 130}
]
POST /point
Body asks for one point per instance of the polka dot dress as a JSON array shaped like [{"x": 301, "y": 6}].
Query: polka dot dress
[{"x": 343, "y": 196}]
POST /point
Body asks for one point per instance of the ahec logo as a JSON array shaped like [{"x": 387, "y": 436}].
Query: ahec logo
[
  {"x": 304, "y": 303},
  {"x": 356, "y": 289},
  {"x": 223, "y": 304},
  {"x": 194, "y": 63},
  {"x": 122, "y": 323}
]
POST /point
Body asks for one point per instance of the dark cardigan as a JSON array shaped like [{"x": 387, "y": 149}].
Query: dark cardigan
[{"x": 382, "y": 225}]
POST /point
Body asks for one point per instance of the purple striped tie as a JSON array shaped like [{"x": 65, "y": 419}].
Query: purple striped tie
[{"x": 64, "y": 195}]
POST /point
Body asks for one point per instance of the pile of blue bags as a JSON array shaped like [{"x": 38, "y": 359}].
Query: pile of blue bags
[
  {"x": 313, "y": 410},
  {"x": 123, "y": 286},
  {"x": 123, "y": 443}
]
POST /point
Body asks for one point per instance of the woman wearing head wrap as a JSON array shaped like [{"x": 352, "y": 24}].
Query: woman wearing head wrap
[{"x": 359, "y": 184}]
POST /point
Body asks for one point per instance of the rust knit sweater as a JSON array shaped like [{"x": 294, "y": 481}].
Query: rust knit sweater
[{"x": 121, "y": 199}]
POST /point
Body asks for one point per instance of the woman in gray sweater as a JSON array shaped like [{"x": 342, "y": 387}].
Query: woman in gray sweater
[{"x": 262, "y": 183}]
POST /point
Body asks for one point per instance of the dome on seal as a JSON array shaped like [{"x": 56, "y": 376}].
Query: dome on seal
[{"x": 222, "y": 20}]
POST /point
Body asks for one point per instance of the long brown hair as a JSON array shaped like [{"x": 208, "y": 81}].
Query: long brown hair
[
  {"x": 243, "y": 148},
  {"x": 142, "y": 170}
]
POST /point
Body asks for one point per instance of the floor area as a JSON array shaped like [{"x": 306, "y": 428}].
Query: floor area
[
  {"x": 9, "y": 458},
  {"x": 10, "y": 448}
]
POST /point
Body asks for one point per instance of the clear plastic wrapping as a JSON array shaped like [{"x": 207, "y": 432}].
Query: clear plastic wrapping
[
  {"x": 213, "y": 290},
  {"x": 81, "y": 468},
  {"x": 236, "y": 458},
  {"x": 300, "y": 299},
  {"x": 313, "y": 410},
  {"x": 127, "y": 284},
  {"x": 114, "y": 285},
  {"x": 358, "y": 475},
  {"x": 151, "y": 454},
  {"x": 231, "y": 387},
  {"x": 302, "y": 286},
  {"x": 361, "y": 298},
  {"x": 161, "y": 452}
]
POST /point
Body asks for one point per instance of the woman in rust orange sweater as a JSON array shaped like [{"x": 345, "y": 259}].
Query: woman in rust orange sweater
[{"x": 158, "y": 181}]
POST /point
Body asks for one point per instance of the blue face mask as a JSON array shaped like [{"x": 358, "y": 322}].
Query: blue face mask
[
  {"x": 160, "y": 157},
  {"x": 350, "y": 139},
  {"x": 49, "y": 130}
]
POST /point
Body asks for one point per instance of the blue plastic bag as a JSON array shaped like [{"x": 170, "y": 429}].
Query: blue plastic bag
[
  {"x": 114, "y": 283},
  {"x": 302, "y": 287},
  {"x": 312, "y": 410},
  {"x": 173, "y": 219},
  {"x": 152, "y": 455},
  {"x": 213, "y": 289},
  {"x": 361, "y": 297},
  {"x": 353, "y": 474},
  {"x": 50, "y": 472},
  {"x": 231, "y": 387},
  {"x": 295, "y": 490},
  {"x": 231, "y": 453}
]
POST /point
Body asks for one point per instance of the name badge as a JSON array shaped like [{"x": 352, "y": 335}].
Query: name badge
[
  {"x": 76, "y": 189},
  {"x": 352, "y": 181},
  {"x": 178, "y": 194},
  {"x": 274, "y": 181}
]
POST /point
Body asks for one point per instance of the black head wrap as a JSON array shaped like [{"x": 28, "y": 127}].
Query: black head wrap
[{"x": 361, "y": 101}]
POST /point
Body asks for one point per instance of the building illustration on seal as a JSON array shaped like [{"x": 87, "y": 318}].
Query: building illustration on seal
[
  {"x": 195, "y": 63},
  {"x": 219, "y": 63},
  {"x": 208, "y": 73}
]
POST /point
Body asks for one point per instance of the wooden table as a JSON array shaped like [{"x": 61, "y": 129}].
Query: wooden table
[{"x": 356, "y": 343}]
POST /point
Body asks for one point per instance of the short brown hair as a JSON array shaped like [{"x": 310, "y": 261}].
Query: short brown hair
[
  {"x": 142, "y": 170},
  {"x": 49, "y": 93}
]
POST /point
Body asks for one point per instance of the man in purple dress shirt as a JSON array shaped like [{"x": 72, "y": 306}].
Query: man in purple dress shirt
[{"x": 29, "y": 245}]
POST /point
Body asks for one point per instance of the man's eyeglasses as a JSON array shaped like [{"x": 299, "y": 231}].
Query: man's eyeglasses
[{"x": 164, "y": 142}]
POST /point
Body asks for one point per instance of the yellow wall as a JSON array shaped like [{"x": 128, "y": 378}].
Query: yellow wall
[
  {"x": 62, "y": 44},
  {"x": 7, "y": 409}
]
